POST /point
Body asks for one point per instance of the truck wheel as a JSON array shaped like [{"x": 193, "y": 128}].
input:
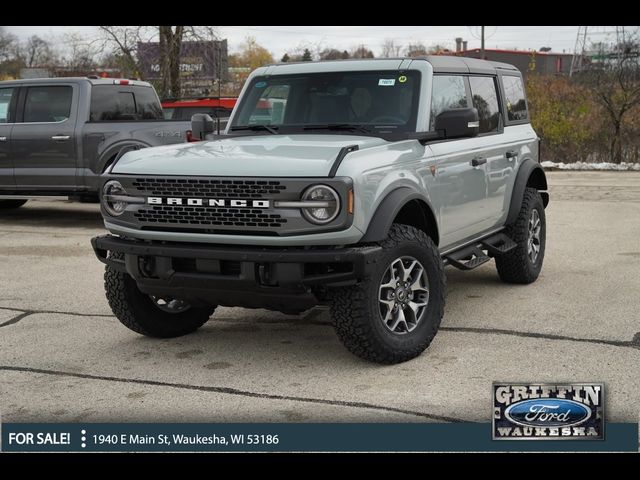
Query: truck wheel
[
  {"x": 393, "y": 315},
  {"x": 147, "y": 315},
  {"x": 8, "y": 204},
  {"x": 523, "y": 264}
]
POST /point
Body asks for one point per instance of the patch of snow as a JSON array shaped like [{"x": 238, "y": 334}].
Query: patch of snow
[{"x": 622, "y": 167}]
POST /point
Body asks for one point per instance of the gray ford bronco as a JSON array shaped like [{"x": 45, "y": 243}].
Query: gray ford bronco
[{"x": 348, "y": 183}]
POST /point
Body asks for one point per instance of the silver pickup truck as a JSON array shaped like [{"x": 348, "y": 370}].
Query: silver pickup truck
[
  {"x": 58, "y": 135},
  {"x": 347, "y": 183}
]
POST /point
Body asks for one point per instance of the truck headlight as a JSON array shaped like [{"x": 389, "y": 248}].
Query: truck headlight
[
  {"x": 114, "y": 198},
  {"x": 323, "y": 204}
]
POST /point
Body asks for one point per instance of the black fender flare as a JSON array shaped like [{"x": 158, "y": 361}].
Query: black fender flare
[
  {"x": 388, "y": 210},
  {"x": 530, "y": 174}
]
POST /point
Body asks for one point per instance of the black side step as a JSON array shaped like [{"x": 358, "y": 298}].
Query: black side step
[
  {"x": 468, "y": 258},
  {"x": 472, "y": 256},
  {"x": 498, "y": 244}
]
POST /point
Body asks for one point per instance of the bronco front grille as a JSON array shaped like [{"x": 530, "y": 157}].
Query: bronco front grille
[
  {"x": 208, "y": 188},
  {"x": 204, "y": 216}
]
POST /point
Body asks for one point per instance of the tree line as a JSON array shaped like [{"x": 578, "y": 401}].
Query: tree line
[{"x": 593, "y": 116}]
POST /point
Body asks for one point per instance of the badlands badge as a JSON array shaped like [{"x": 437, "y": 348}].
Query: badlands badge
[{"x": 572, "y": 411}]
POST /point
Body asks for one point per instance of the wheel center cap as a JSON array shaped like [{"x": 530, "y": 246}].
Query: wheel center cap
[{"x": 401, "y": 294}]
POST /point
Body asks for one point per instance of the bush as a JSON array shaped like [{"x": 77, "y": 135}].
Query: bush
[{"x": 572, "y": 125}]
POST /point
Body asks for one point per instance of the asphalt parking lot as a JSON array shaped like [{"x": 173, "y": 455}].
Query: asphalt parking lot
[{"x": 64, "y": 357}]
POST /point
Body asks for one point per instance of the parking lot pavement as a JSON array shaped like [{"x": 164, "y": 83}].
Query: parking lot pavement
[{"x": 64, "y": 357}]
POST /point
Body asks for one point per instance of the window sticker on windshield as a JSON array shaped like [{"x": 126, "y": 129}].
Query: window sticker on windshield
[
  {"x": 402, "y": 78},
  {"x": 261, "y": 84},
  {"x": 386, "y": 82}
]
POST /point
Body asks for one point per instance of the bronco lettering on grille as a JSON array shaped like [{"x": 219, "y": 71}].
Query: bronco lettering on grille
[{"x": 208, "y": 202}]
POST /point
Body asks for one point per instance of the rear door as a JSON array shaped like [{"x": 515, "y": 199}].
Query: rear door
[
  {"x": 43, "y": 140},
  {"x": 8, "y": 97},
  {"x": 491, "y": 140},
  {"x": 515, "y": 146}
]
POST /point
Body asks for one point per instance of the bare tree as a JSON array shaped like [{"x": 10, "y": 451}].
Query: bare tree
[
  {"x": 361, "y": 52},
  {"x": 38, "y": 52},
  {"x": 615, "y": 84},
  {"x": 330, "y": 54},
  {"x": 416, "y": 50},
  {"x": 7, "y": 41},
  {"x": 81, "y": 53},
  {"x": 125, "y": 40},
  {"x": 390, "y": 49}
]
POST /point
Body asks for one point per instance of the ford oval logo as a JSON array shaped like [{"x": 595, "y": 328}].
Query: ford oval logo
[{"x": 548, "y": 412}]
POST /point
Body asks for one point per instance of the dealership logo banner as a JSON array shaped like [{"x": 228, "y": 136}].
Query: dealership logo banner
[
  {"x": 289, "y": 437},
  {"x": 572, "y": 411}
]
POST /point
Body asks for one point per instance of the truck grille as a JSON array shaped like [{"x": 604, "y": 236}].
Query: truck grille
[
  {"x": 204, "y": 216},
  {"x": 209, "y": 188}
]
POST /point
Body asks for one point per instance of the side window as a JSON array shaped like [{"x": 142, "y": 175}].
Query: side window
[
  {"x": 485, "y": 100},
  {"x": 5, "y": 102},
  {"x": 448, "y": 92},
  {"x": 515, "y": 98},
  {"x": 48, "y": 104},
  {"x": 111, "y": 103}
]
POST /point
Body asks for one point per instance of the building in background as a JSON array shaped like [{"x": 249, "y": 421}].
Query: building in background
[{"x": 202, "y": 65}]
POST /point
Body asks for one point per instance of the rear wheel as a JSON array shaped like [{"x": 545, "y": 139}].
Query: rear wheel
[
  {"x": 153, "y": 316},
  {"x": 8, "y": 204},
  {"x": 523, "y": 264}
]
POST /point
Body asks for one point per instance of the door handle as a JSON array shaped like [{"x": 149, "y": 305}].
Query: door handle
[
  {"x": 511, "y": 154},
  {"x": 60, "y": 137},
  {"x": 476, "y": 162},
  {"x": 3, "y": 139}
]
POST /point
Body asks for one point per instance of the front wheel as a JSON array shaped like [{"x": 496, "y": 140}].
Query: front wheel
[
  {"x": 393, "y": 315},
  {"x": 9, "y": 204},
  {"x": 161, "y": 317},
  {"x": 523, "y": 263}
]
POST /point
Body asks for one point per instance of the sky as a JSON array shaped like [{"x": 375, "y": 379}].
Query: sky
[{"x": 281, "y": 39}]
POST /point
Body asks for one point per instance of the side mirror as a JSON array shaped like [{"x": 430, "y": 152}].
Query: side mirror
[
  {"x": 458, "y": 122},
  {"x": 201, "y": 126}
]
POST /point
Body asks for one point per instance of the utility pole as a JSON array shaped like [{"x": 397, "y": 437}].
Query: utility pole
[{"x": 482, "y": 42}]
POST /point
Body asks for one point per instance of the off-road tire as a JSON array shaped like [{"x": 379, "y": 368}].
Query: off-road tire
[
  {"x": 516, "y": 266},
  {"x": 9, "y": 204},
  {"x": 139, "y": 313},
  {"x": 355, "y": 310}
]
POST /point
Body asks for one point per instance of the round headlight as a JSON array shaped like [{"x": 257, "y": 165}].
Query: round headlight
[
  {"x": 327, "y": 204},
  {"x": 110, "y": 201}
]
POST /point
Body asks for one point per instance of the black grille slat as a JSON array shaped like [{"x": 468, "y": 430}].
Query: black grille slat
[
  {"x": 207, "y": 216},
  {"x": 208, "y": 188}
]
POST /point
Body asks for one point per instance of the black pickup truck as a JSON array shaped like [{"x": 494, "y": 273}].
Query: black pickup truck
[{"x": 58, "y": 135}]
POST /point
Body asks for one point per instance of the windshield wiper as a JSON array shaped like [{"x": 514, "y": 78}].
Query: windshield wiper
[
  {"x": 338, "y": 126},
  {"x": 268, "y": 128}
]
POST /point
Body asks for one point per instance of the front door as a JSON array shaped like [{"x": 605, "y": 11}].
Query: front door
[
  {"x": 460, "y": 188},
  {"x": 43, "y": 142},
  {"x": 6, "y": 126}
]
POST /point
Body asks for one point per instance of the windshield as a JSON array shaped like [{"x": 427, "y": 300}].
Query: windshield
[{"x": 355, "y": 102}]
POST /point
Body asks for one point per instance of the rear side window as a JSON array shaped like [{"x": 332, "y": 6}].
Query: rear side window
[
  {"x": 515, "y": 98},
  {"x": 5, "y": 103},
  {"x": 448, "y": 92},
  {"x": 119, "y": 102},
  {"x": 48, "y": 104},
  {"x": 485, "y": 100}
]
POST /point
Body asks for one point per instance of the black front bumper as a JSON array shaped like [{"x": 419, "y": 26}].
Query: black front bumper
[{"x": 279, "y": 278}]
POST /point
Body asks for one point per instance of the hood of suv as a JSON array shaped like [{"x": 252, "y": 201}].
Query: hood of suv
[{"x": 255, "y": 156}]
